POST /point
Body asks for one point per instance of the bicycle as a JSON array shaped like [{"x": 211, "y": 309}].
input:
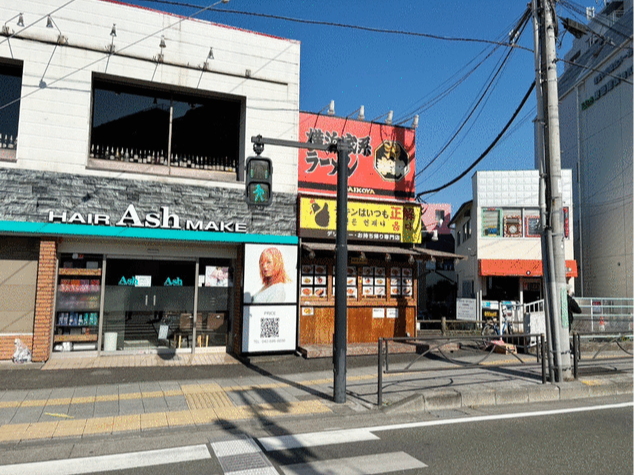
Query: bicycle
[{"x": 492, "y": 328}]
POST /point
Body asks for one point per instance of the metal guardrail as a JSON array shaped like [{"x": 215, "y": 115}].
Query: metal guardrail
[
  {"x": 604, "y": 338},
  {"x": 383, "y": 355}
]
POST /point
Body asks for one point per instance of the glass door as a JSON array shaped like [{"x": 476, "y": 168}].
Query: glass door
[
  {"x": 148, "y": 304},
  {"x": 215, "y": 286}
]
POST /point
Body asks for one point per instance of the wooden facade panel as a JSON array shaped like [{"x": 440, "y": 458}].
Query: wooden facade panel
[{"x": 318, "y": 329}]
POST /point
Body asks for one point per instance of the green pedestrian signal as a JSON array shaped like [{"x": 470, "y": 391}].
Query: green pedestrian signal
[{"x": 259, "y": 181}]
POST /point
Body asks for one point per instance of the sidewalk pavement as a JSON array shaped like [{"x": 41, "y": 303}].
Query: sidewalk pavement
[{"x": 256, "y": 390}]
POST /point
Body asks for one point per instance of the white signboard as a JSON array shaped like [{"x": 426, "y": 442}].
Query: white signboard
[
  {"x": 143, "y": 280},
  {"x": 269, "y": 328},
  {"x": 378, "y": 312},
  {"x": 270, "y": 273},
  {"x": 466, "y": 309},
  {"x": 392, "y": 312}
]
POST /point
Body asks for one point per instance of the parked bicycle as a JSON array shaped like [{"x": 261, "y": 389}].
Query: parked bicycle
[{"x": 492, "y": 328}]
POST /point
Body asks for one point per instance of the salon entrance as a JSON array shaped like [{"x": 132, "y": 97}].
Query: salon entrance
[{"x": 149, "y": 304}]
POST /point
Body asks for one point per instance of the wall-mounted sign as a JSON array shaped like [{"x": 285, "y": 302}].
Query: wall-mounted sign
[
  {"x": 270, "y": 274},
  {"x": 162, "y": 219},
  {"x": 615, "y": 79},
  {"x": 173, "y": 282},
  {"x": 269, "y": 328},
  {"x": 366, "y": 221},
  {"x": 381, "y": 163}
]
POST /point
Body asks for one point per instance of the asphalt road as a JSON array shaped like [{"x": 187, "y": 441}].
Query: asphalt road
[{"x": 580, "y": 437}]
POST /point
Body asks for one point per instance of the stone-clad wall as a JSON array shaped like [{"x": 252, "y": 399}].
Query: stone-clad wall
[{"x": 27, "y": 195}]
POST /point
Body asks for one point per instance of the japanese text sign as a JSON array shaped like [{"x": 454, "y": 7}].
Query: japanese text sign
[
  {"x": 368, "y": 221},
  {"x": 381, "y": 161}
]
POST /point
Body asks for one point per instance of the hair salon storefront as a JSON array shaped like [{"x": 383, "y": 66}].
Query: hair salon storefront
[{"x": 156, "y": 274}]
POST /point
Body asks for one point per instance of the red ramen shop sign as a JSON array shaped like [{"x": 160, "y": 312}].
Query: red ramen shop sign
[{"x": 380, "y": 163}]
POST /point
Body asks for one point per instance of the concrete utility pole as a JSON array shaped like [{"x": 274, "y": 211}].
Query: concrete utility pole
[{"x": 553, "y": 233}]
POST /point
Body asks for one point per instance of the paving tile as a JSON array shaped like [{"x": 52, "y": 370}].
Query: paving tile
[
  {"x": 176, "y": 403},
  {"x": 107, "y": 408},
  {"x": 204, "y": 416},
  {"x": 81, "y": 411},
  {"x": 28, "y": 414},
  {"x": 107, "y": 390},
  {"x": 129, "y": 388},
  {"x": 107, "y": 397},
  {"x": 169, "y": 385},
  {"x": 126, "y": 423},
  {"x": 179, "y": 418},
  {"x": 85, "y": 391},
  {"x": 40, "y": 430},
  {"x": 38, "y": 394},
  {"x": 154, "y": 405},
  {"x": 233, "y": 413},
  {"x": 12, "y": 432},
  {"x": 62, "y": 393},
  {"x": 70, "y": 428},
  {"x": 130, "y": 406},
  {"x": 99, "y": 425},
  {"x": 11, "y": 396},
  {"x": 153, "y": 420},
  {"x": 150, "y": 387},
  {"x": 6, "y": 414}
]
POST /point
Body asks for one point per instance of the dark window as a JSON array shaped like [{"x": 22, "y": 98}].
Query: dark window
[
  {"x": 164, "y": 128},
  {"x": 10, "y": 91}
]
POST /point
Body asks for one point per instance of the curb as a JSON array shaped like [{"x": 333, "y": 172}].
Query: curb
[{"x": 438, "y": 400}]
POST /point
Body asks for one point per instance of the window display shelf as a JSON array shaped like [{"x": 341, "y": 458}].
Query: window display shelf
[
  {"x": 77, "y": 326},
  {"x": 87, "y": 272},
  {"x": 62, "y": 338}
]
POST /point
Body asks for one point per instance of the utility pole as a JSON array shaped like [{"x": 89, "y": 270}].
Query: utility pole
[
  {"x": 553, "y": 233},
  {"x": 340, "y": 343}
]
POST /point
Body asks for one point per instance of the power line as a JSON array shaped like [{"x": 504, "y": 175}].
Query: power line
[
  {"x": 473, "y": 109},
  {"x": 36, "y": 21},
  {"x": 579, "y": 11},
  {"x": 615, "y": 76},
  {"x": 75, "y": 71},
  {"x": 348, "y": 26},
  {"x": 486, "y": 152}
]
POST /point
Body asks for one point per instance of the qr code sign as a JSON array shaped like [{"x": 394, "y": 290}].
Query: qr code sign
[{"x": 270, "y": 328}]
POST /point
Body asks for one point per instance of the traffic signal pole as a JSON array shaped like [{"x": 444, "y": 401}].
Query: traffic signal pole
[{"x": 342, "y": 149}]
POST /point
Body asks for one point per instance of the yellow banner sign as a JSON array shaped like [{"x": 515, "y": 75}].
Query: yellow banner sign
[{"x": 367, "y": 221}]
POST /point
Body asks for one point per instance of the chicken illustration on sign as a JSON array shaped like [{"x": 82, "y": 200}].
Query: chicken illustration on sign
[{"x": 322, "y": 215}]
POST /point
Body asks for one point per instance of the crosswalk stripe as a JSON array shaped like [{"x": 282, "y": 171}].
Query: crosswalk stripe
[
  {"x": 106, "y": 463},
  {"x": 369, "y": 464},
  {"x": 314, "y": 439}
]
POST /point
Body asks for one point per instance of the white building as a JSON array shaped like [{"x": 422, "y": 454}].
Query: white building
[
  {"x": 498, "y": 233},
  {"x": 124, "y": 134},
  {"x": 595, "y": 112}
]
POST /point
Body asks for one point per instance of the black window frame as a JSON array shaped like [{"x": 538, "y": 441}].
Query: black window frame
[{"x": 144, "y": 150}]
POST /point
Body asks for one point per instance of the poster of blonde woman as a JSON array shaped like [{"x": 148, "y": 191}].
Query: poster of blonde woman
[{"x": 270, "y": 274}]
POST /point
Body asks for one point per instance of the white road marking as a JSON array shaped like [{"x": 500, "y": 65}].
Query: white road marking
[
  {"x": 106, "y": 463},
  {"x": 497, "y": 417},
  {"x": 369, "y": 464},
  {"x": 314, "y": 439}
]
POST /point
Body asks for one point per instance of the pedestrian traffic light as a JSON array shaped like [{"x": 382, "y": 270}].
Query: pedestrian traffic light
[{"x": 259, "y": 181}]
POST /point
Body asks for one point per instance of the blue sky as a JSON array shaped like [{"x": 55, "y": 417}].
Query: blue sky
[{"x": 400, "y": 72}]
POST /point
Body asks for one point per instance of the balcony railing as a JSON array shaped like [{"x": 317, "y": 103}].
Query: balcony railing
[
  {"x": 159, "y": 157},
  {"x": 8, "y": 146}
]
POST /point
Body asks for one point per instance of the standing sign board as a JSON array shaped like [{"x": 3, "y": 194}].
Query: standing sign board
[
  {"x": 466, "y": 310},
  {"x": 270, "y": 298}
]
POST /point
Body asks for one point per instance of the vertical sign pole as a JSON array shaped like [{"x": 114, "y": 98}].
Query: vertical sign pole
[{"x": 341, "y": 303}]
